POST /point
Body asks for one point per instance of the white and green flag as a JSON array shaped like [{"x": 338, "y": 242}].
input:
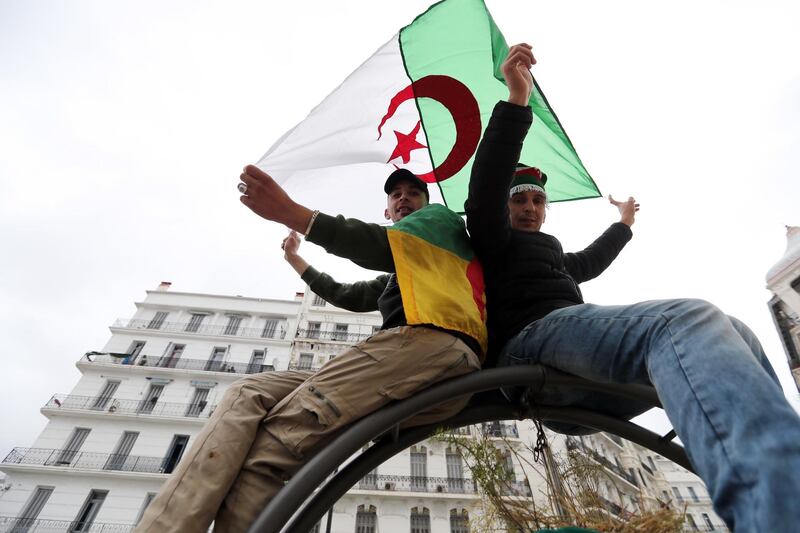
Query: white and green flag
[{"x": 421, "y": 102}]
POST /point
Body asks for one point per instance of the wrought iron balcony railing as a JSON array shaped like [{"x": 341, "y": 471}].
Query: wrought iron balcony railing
[
  {"x": 574, "y": 444},
  {"x": 417, "y": 484},
  {"x": 11, "y": 524},
  {"x": 517, "y": 488},
  {"x": 613, "y": 507},
  {"x": 614, "y": 438},
  {"x": 699, "y": 499},
  {"x": 464, "y": 430},
  {"x": 303, "y": 366},
  {"x": 130, "y": 407},
  {"x": 88, "y": 460},
  {"x": 200, "y": 329},
  {"x": 447, "y": 485},
  {"x": 208, "y": 365},
  {"x": 500, "y": 429},
  {"x": 338, "y": 336}
]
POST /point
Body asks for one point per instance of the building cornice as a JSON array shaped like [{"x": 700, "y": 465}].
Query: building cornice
[{"x": 222, "y": 297}]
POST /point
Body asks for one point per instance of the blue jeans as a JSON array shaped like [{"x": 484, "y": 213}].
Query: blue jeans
[{"x": 714, "y": 381}]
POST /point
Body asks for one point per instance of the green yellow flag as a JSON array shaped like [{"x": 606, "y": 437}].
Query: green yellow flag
[{"x": 441, "y": 281}]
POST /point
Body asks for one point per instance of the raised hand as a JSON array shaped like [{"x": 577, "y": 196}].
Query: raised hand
[
  {"x": 290, "y": 247},
  {"x": 267, "y": 199},
  {"x": 517, "y": 73},
  {"x": 627, "y": 209},
  {"x": 291, "y": 244}
]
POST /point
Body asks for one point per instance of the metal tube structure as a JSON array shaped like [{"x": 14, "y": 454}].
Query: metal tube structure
[{"x": 286, "y": 512}]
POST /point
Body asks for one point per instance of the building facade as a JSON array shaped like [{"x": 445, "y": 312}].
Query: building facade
[
  {"x": 783, "y": 280},
  {"x": 113, "y": 439},
  {"x": 638, "y": 478}
]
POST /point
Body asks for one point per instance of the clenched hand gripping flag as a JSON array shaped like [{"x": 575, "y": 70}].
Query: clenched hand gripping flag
[{"x": 420, "y": 102}]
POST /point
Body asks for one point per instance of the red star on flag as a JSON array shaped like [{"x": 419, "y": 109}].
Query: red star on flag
[{"x": 405, "y": 144}]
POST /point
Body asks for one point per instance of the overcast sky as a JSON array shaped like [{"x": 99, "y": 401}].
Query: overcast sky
[{"x": 124, "y": 126}]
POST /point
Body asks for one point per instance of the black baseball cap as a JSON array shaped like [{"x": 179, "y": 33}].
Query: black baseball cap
[{"x": 402, "y": 174}]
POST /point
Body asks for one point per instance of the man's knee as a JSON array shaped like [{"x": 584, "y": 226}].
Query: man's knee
[
  {"x": 245, "y": 381},
  {"x": 692, "y": 309},
  {"x": 697, "y": 304},
  {"x": 264, "y": 388},
  {"x": 241, "y": 386},
  {"x": 743, "y": 329}
]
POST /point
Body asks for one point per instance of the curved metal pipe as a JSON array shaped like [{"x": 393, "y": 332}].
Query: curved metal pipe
[
  {"x": 314, "y": 507},
  {"x": 367, "y": 429}
]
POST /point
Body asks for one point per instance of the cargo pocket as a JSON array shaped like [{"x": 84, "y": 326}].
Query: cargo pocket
[
  {"x": 311, "y": 416},
  {"x": 449, "y": 363}
]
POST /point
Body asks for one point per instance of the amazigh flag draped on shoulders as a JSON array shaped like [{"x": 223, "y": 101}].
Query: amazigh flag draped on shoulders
[
  {"x": 441, "y": 280},
  {"x": 420, "y": 102}
]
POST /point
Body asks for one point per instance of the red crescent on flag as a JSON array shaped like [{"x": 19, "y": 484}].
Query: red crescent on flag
[{"x": 459, "y": 101}]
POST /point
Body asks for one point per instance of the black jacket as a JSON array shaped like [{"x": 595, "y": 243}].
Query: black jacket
[{"x": 527, "y": 274}]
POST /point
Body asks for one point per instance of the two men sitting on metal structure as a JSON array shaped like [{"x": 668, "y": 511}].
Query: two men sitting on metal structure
[{"x": 709, "y": 370}]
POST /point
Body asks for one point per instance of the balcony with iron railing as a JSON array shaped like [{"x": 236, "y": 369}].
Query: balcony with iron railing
[
  {"x": 500, "y": 429},
  {"x": 199, "y": 329},
  {"x": 88, "y": 460},
  {"x": 517, "y": 488},
  {"x": 683, "y": 501},
  {"x": 613, "y": 438},
  {"x": 698, "y": 500},
  {"x": 333, "y": 336},
  {"x": 10, "y": 524},
  {"x": 149, "y": 361},
  {"x": 100, "y": 404},
  {"x": 692, "y": 529},
  {"x": 574, "y": 444},
  {"x": 613, "y": 507},
  {"x": 447, "y": 485},
  {"x": 463, "y": 431},
  {"x": 303, "y": 366},
  {"x": 389, "y": 483}
]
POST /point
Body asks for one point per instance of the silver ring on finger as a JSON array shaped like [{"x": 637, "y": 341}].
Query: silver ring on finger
[{"x": 242, "y": 187}]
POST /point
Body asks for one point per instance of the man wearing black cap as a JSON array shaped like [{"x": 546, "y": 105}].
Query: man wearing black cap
[
  {"x": 405, "y": 194},
  {"x": 267, "y": 425},
  {"x": 711, "y": 374}
]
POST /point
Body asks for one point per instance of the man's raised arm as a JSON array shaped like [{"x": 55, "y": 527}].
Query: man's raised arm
[
  {"x": 359, "y": 297},
  {"x": 498, "y": 155},
  {"x": 365, "y": 244},
  {"x": 595, "y": 258}
]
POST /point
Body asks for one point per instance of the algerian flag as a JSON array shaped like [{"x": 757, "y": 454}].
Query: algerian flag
[{"x": 421, "y": 102}]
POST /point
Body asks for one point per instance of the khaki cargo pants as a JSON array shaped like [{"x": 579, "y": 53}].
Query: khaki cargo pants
[{"x": 267, "y": 425}]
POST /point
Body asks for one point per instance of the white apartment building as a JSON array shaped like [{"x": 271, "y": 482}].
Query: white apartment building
[
  {"x": 113, "y": 438},
  {"x": 633, "y": 477},
  {"x": 783, "y": 280}
]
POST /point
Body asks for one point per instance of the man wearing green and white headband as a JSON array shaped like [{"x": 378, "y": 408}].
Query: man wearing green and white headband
[{"x": 710, "y": 372}]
